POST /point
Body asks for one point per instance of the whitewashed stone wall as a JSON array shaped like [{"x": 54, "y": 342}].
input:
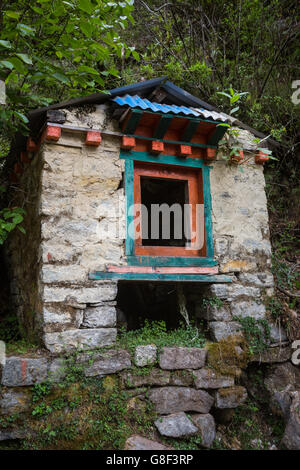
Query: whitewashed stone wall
[{"x": 76, "y": 225}]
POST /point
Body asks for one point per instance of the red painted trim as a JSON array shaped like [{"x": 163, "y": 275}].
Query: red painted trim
[
  {"x": 52, "y": 133},
  {"x": 261, "y": 157},
  {"x": 157, "y": 147},
  {"x": 195, "y": 196},
  {"x": 128, "y": 143},
  {"x": 185, "y": 151},
  {"x": 168, "y": 270},
  {"x": 93, "y": 138}
]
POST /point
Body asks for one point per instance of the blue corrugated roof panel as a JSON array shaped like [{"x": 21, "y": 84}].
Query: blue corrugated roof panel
[{"x": 138, "y": 102}]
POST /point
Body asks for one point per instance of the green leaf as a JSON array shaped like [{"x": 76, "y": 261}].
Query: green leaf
[
  {"x": 22, "y": 117},
  {"x": 25, "y": 58},
  {"x": 7, "y": 64},
  {"x": 12, "y": 14},
  {"x": 25, "y": 29},
  {"x": 5, "y": 44},
  {"x": 61, "y": 78},
  {"x": 85, "y": 5},
  {"x": 22, "y": 229}
]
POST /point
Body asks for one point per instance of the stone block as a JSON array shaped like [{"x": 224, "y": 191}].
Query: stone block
[
  {"x": 19, "y": 371},
  {"x": 221, "y": 330},
  {"x": 71, "y": 340},
  {"x": 108, "y": 362},
  {"x": 145, "y": 355},
  {"x": 206, "y": 428},
  {"x": 136, "y": 442},
  {"x": 100, "y": 316},
  {"x": 208, "y": 378},
  {"x": 85, "y": 295},
  {"x": 182, "y": 358},
  {"x": 55, "y": 274},
  {"x": 173, "y": 399},
  {"x": 176, "y": 425},
  {"x": 13, "y": 401},
  {"x": 249, "y": 309},
  {"x": 231, "y": 397},
  {"x": 155, "y": 377},
  {"x": 257, "y": 279}
]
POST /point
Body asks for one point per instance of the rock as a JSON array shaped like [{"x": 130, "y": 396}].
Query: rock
[
  {"x": 154, "y": 377},
  {"x": 221, "y": 330},
  {"x": 173, "y": 399},
  {"x": 176, "y": 425},
  {"x": 13, "y": 401},
  {"x": 219, "y": 290},
  {"x": 57, "y": 369},
  {"x": 230, "y": 397},
  {"x": 18, "y": 371},
  {"x": 71, "y": 340},
  {"x": 182, "y": 358},
  {"x": 291, "y": 438},
  {"x": 102, "y": 316},
  {"x": 277, "y": 334},
  {"x": 104, "y": 292},
  {"x": 280, "y": 377},
  {"x": 248, "y": 309},
  {"x": 238, "y": 290},
  {"x": 141, "y": 443},
  {"x": 258, "y": 279},
  {"x": 276, "y": 354},
  {"x": 206, "y": 426},
  {"x": 182, "y": 378},
  {"x": 213, "y": 313},
  {"x": 12, "y": 434},
  {"x": 108, "y": 362},
  {"x": 208, "y": 378},
  {"x": 145, "y": 355}
]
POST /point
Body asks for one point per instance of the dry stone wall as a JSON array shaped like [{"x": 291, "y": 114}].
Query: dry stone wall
[{"x": 188, "y": 396}]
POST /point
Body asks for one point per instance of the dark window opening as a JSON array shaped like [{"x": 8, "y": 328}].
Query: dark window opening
[{"x": 168, "y": 230}]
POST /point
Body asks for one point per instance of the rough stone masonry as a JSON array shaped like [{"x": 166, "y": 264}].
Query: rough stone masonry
[{"x": 75, "y": 224}]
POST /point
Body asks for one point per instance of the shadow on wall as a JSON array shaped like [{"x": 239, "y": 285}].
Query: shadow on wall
[{"x": 138, "y": 301}]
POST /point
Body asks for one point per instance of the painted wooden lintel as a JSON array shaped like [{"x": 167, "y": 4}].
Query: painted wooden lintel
[
  {"x": 178, "y": 261},
  {"x": 159, "y": 277},
  {"x": 165, "y": 159},
  {"x": 176, "y": 142},
  {"x": 163, "y": 269}
]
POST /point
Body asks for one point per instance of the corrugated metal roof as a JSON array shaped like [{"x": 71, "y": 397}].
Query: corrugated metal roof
[{"x": 138, "y": 102}]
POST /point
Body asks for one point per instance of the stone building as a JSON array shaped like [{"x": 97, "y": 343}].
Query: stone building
[{"x": 79, "y": 174}]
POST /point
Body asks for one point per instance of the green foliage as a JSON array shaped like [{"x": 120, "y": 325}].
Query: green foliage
[
  {"x": 213, "y": 302},
  {"x": 156, "y": 332},
  {"x": 9, "y": 220},
  {"x": 256, "y": 332},
  {"x": 61, "y": 46}
]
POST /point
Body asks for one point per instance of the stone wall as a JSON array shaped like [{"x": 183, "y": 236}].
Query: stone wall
[
  {"x": 75, "y": 224},
  {"x": 175, "y": 381}
]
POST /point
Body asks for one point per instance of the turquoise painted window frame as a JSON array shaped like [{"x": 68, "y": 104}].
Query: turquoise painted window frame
[{"x": 130, "y": 157}]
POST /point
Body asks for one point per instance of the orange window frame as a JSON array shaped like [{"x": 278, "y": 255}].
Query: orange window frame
[{"x": 194, "y": 179}]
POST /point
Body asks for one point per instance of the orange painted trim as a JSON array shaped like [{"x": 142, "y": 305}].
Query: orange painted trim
[
  {"x": 31, "y": 146},
  {"x": 261, "y": 157},
  {"x": 195, "y": 196},
  {"x": 185, "y": 151},
  {"x": 52, "y": 134},
  {"x": 157, "y": 147},
  {"x": 165, "y": 269},
  {"x": 93, "y": 138},
  {"x": 128, "y": 143}
]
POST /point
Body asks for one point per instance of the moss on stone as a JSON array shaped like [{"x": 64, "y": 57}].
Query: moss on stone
[{"x": 229, "y": 356}]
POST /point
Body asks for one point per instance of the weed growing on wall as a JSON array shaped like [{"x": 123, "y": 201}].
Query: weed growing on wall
[
  {"x": 156, "y": 332},
  {"x": 256, "y": 332}
]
